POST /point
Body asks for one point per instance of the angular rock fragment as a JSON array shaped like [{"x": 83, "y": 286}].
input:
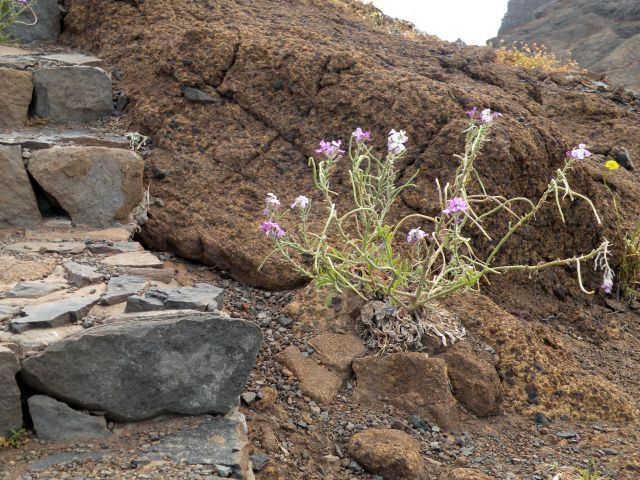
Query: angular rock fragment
[
  {"x": 10, "y": 409},
  {"x": 315, "y": 381},
  {"x": 17, "y": 89},
  {"x": 96, "y": 186},
  {"x": 413, "y": 382},
  {"x": 7, "y": 311},
  {"x": 19, "y": 206},
  {"x": 218, "y": 441},
  {"x": 138, "y": 366},
  {"x": 195, "y": 95},
  {"x": 134, "y": 259},
  {"x": 56, "y": 421},
  {"x": 336, "y": 351},
  {"x": 115, "y": 247},
  {"x": 34, "y": 289},
  {"x": 72, "y": 94},
  {"x": 201, "y": 296},
  {"x": 121, "y": 288},
  {"x": 81, "y": 275},
  {"x": 54, "y": 314}
]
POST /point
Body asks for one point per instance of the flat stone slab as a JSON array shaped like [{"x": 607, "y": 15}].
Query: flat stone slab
[
  {"x": 56, "y": 421},
  {"x": 218, "y": 441},
  {"x": 70, "y": 248},
  {"x": 202, "y": 297},
  {"x": 8, "y": 311},
  {"x": 54, "y": 314},
  {"x": 10, "y": 407},
  {"x": 34, "y": 289},
  {"x": 58, "y": 459},
  {"x": 139, "y": 366},
  {"x": 19, "y": 206},
  {"x": 134, "y": 259},
  {"x": 42, "y": 139},
  {"x": 72, "y": 94},
  {"x": 164, "y": 275},
  {"x": 74, "y": 59},
  {"x": 82, "y": 275},
  {"x": 115, "y": 234},
  {"x": 121, "y": 288},
  {"x": 38, "y": 339},
  {"x": 115, "y": 247},
  {"x": 6, "y": 50}
]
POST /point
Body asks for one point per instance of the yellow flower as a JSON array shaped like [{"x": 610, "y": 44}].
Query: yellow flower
[{"x": 612, "y": 165}]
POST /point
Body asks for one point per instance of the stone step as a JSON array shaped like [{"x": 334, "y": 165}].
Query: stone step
[
  {"x": 65, "y": 88},
  {"x": 42, "y": 138}
]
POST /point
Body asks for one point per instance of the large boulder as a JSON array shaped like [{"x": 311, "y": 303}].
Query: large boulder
[
  {"x": 96, "y": 186},
  {"x": 413, "y": 382},
  {"x": 17, "y": 90},
  {"x": 72, "y": 94},
  {"x": 10, "y": 409},
  {"x": 139, "y": 366},
  {"x": 19, "y": 206},
  {"x": 47, "y": 28},
  {"x": 390, "y": 453},
  {"x": 56, "y": 421}
]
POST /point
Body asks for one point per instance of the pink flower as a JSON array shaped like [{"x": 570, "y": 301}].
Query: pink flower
[
  {"x": 486, "y": 116},
  {"x": 456, "y": 204},
  {"x": 273, "y": 204},
  {"x": 415, "y": 235},
  {"x": 301, "y": 202},
  {"x": 330, "y": 148},
  {"x": 580, "y": 152},
  {"x": 272, "y": 229},
  {"x": 396, "y": 141},
  {"x": 361, "y": 136},
  {"x": 473, "y": 113}
]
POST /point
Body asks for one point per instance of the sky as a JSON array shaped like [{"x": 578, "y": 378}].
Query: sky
[{"x": 474, "y": 21}]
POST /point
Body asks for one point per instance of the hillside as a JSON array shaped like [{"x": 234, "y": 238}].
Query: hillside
[{"x": 602, "y": 36}]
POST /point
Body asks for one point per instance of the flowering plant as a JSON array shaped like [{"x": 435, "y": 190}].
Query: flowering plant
[
  {"x": 411, "y": 264},
  {"x": 10, "y": 10}
]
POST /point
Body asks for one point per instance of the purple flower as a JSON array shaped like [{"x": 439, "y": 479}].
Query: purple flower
[
  {"x": 487, "y": 116},
  {"x": 272, "y": 229},
  {"x": 301, "y": 202},
  {"x": 473, "y": 113},
  {"x": 330, "y": 148},
  {"x": 456, "y": 204},
  {"x": 580, "y": 152},
  {"x": 607, "y": 285},
  {"x": 415, "y": 235},
  {"x": 396, "y": 141},
  {"x": 273, "y": 204},
  {"x": 361, "y": 136}
]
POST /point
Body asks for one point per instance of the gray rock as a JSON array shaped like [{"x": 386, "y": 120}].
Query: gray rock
[
  {"x": 77, "y": 59},
  {"x": 115, "y": 247},
  {"x": 54, "y": 314},
  {"x": 34, "y": 289},
  {"x": 10, "y": 409},
  {"x": 138, "y": 366},
  {"x": 134, "y": 259},
  {"x": 69, "y": 248},
  {"x": 259, "y": 461},
  {"x": 81, "y": 275},
  {"x": 72, "y": 94},
  {"x": 58, "y": 459},
  {"x": 39, "y": 338},
  {"x": 202, "y": 296},
  {"x": 121, "y": 288},
  {"x": 56, "y": 421},
  {"x": 19, "y": 206},
  {"x": 46, "y": 29},
  {"x": 164, "y": 275},
  {"x": 195, "y": 95},
  {"x": 7, "y": 311},
  {"x": 96, "y": 186},
  {"x": 47, "y": 138},
  {"x": 220, "y": 441}
]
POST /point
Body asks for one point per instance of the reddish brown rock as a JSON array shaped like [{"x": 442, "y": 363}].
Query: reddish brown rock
[
  {"x": 413, "y": 382},
  {"x": 475, "y": 382},
  {"x": 336, "y": 351},
  {"x": 390, "y": 453},
  {"x": 315, "y": 381}
]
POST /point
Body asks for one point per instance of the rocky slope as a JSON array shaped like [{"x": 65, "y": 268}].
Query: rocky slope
[{"x": 602, "y": 36}]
